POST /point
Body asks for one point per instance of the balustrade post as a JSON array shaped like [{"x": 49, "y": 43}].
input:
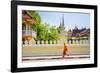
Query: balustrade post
[
  {"x": 46, "y": 42},
  {"x": 30, "y": 42},
  {"x": 77, "y": 42},
  {"x": 38, "y": 42},
  {"x": 26, "y": 42},
  {"x": 42, "y": 42},
  {"x": 69, "y": 41},
  {"x": 50, "y": 42},
  {"x": 86, "y": 41},
  {"x": 81, "y": 41},
  {"x": 73, "y": 41},
  {"x": 61, "y": 41},
  {"x": 54, "y": 42}
]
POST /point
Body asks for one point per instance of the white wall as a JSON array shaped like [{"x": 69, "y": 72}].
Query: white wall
[{"x": 5, "y": 37}]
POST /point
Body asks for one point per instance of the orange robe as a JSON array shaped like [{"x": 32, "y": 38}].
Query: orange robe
[{"x": 65, "y": 50}]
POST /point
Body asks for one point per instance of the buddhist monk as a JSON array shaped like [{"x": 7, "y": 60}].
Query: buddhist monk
[{"x": 65, "y": 50}]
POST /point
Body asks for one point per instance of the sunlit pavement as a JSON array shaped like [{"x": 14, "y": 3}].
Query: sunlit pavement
[
  {"x": 56, "y": 57},
  {"x": 54, "y": 50}
]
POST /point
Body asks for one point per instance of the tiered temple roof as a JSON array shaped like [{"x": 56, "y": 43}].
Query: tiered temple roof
[{"x": 27, "y": 18}]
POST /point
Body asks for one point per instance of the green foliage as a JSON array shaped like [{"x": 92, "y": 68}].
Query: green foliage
[
  {"x": 44, "y": 30},
  {"x": 35, "y": 16},
  {"x": 53, "y": 34}
]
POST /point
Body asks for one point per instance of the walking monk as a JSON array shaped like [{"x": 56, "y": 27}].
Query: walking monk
[{"x": 65, "y": 50}]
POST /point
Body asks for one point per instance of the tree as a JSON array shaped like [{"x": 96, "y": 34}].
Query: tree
[
  {"x": 54, "y": 33},
  {"x": 35, "y": 16},
  {"x": 44, "y": 30}
]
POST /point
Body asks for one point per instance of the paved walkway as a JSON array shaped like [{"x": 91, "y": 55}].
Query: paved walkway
[{"x": 55, "y": 57}]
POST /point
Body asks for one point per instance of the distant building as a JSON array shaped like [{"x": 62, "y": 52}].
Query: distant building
[
  {"x": 85, "y": 33},
  {"x": 79, "y": 33},
  {"x": 62, "y": 27},
  {"x": 62, "y": 31},
  {"x": 69, "y": 34}
]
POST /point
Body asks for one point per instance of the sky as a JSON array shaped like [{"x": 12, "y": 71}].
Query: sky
[{"x": 71, "y": 19}]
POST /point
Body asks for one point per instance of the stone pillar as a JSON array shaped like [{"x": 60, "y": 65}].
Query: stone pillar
[
  {"x": 38, "y": 42},
  {"x": 81, "y": 41},
  {"x": 50, "y": 41},
  {"x": 26, "y": 42},
  {"x": 73, "y": 41},
  {"x": 69, "y": 41},
  {"x": 46, "y": 42},
  {"x": 42, "y": 42},
  {"x": 58, "y": 41},
  {"x": 54, "y": 41},
  {"x": 77, "y": 42}
]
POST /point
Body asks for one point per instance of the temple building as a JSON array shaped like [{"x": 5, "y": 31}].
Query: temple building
[
  {"x": 62, "y": 31},
  {"x": 27, "y": 22},
  {"x": 62, "y": 27},
  {"x": 76, "y": 33}
]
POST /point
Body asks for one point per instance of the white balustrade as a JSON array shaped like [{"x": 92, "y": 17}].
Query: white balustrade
[
  {"x": 73, "y": 42},
  {"x": 46, "y": 42},
  {"x": 69, "y": 41},
  {"x": 52, "y": 42},
  {"x": 77, "y": 42},
  {"x": 26, "y": 42},
  {"x": 38, "y": 42},
  {"x": 58, "y": 41},
  {"x": 42, "y": 42},
  {"x": 61, "y": 41},
  {"x": 86, "y": 41},
  {"x": 81, "y": 41},
  {"x": 30, "y": 43}
]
